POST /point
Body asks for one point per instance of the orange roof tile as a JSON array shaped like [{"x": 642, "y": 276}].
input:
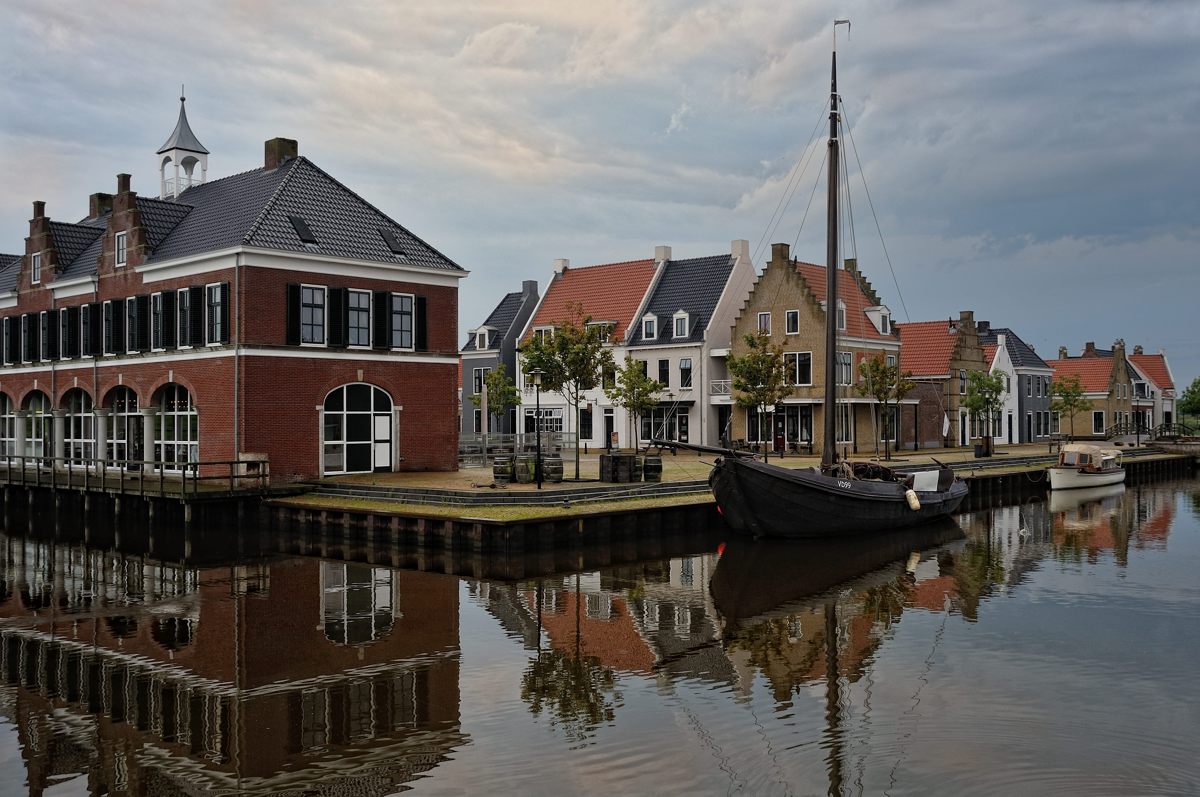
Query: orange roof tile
[
  {"x": 989, "y": 354},
  {"x": 1154, "y": 366},
  {"x": 1094, "y": 372},
  {"x": 608, "y": 292},
  {"x": 926, "y": 347},
  {"x": 858, "y": 324}
]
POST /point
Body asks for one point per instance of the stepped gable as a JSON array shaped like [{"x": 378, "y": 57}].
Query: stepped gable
[
  {"x": 500, "y": 319},
  {"x": 607, "y": 292},
  {"x": 927, "y": 347},
  {"x": 1154, "y": 367},
  {"x": 852, "y": 293},
  {"x": 693, "y": 285},
  {"x": 1094, "y": 373}
]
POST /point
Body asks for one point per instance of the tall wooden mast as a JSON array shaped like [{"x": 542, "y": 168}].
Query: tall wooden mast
[{"x": 829, "y": 451}]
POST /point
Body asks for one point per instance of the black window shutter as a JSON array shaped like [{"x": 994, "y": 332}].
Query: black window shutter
[
  {"x": 419, "y": 325},
  {"x": 196, "y": 315},
  {"x": 85, "y": 331},
  {"x": 166, "y": 319},
  {"x": 142, "y": 330},
  {"x": 5, "y": 334},
  {"x": 293, "y": 314},
  {"x": 96, "y": 328},
  {"x": 131, "y": 324},
  {"x": 119, "y": 313},
  {"x": 50, "y": 334},
  {"x": 382, "y": 333},
  {"x": 72, "y": 332},
  {"x": 224, "y": 312},
  {"x": 34, "y": 347},
  {"x": 336, "y": 334}
]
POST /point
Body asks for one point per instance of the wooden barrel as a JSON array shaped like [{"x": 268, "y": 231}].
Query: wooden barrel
[
  {"x": 523, "y": 468},
  {"x": 606, "y": 468},
  {"x": 552, "y": 468},
  {"x": 652, "y": 470},
  {"x": 635, "y": 474},
  {"x": 502, "y": 468},
  {"x": 623, "y": 468}
]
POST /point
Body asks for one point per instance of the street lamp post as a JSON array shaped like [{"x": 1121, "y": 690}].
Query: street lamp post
[{"x": 536, "y": 376}]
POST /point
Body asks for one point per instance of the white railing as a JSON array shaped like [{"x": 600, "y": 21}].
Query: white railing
[
  {"x": 184, "y": 184},
  {"x": 720, "y": 387}
]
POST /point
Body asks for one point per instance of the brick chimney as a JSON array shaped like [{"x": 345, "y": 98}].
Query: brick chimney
[
  {"x": 966, "y": 319},
  {"x": 123, "y": 183},
  {"x": 1138, "y": 350},
  {"x": 529, "y": 287},
  {"x": 1089, "y": 349},
  {"x": 1063, "y": 353},
  {"x": 983, "y": 327},
  {"x": 39, "y": 209},
  {"x": 780, "y": 253},
  {"x": 99, "y": 203},
  {"x": 561, "y": 264},
  {"x": 279, "y": 151}
]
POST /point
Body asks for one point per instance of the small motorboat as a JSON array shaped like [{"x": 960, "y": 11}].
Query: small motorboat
[{"x": 1086, "y": 465}]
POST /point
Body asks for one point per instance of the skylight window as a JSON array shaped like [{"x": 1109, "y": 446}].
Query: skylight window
[
  {"x": 393, "y": 242},
  {"x": 302, "y": 230}
]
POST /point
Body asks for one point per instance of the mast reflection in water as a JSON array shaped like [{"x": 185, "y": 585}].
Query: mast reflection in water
[{"x": 984, "y": 656}]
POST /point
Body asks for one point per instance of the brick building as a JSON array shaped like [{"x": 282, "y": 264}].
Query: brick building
[
  {"x": 272, "y": 315},
  {"x": 1107, "y": 382},
  {"x": 940, "y": 354}
]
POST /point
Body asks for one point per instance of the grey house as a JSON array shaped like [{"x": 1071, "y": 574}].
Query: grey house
[
  {"x": 491, "y": 343},
  {"x": 1026, "y": 416}
]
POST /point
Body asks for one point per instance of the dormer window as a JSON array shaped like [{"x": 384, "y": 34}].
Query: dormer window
[
  {"x": 681, "y": 325},
  {"x": 35, "y": 268},
  {"x": 121, "y": 248},
  {"x": 481, "y": 341},
  {"x": 841, "y": 316},
  {"x": 885, "y": 324},
  {"x": 602, "y": 329},
  {"x": 543, "y": 334},
  {"x": 649, "y": 327}
]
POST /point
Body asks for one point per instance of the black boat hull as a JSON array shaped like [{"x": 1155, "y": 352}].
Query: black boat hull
[{"x": 763, "y": 500}]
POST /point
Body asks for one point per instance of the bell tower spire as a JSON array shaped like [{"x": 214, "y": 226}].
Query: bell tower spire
[{"x": 183, "y": 152}]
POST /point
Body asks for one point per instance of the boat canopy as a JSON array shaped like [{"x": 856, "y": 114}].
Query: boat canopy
[{"x": 1088, "y": 454}]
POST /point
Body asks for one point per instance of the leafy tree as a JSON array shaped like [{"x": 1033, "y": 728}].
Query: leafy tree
[
  {"x": 501, "y": 392},
  {"x": 571, "y": 359},
  {"x": 760, "y": 378},
  {"x": 1068, "y": 398},
  {"x": 884, "y": 383},
  {"x": 985, "y": 399},
  {"x": 634, "y": 391},
  {"x": 1189, "y": 401}
]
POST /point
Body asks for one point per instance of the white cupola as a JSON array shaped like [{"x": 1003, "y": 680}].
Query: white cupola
[{"x": 182, "y": 153}]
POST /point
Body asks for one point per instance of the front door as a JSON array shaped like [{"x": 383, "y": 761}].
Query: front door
[
  {"x": 1010, "y": 427},
  {"x": 683, "y": 427},
  {"x": 609, "y": 428}
]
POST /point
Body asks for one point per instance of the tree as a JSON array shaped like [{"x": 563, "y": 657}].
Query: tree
[
  {"x": 571, "y": 359},
  {"x": 634, "y": 391},
  {"x": 985, "y": 399},
  {"x": 1068, "y": 398},
  {"x": 760, "y": 377},
  {"x": 884, "y": 383},
  {"x": 1189, "y": 401},
  {"x": 501, "y": 392}
]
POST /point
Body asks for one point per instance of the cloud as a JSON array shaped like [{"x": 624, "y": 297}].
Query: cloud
[{"x": 677, "y": 118}]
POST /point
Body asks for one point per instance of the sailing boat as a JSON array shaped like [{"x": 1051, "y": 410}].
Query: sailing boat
[{"x": 839, "y": 498}]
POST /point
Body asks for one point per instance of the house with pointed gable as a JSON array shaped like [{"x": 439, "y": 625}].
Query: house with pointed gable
[
  {"x": 668, "y": 313},
  {"x": 272, "y": 316},
  {"x": 940, "y": 354},
  {"x": 1153, "y": 388},
  {"x": 493, "y": 343},
  {"x": 1025, "y": 416},
  {"x": 788, "y": 304},
  {"x": 1107, "y": 382}
]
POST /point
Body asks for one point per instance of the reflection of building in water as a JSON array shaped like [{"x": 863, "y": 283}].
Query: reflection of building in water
[
  {"x": 1088, "y": 525},
  {"x": 272, "y": 678}
]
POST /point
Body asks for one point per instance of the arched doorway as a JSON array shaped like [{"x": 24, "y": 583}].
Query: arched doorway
[
  {"x": 39, "y": 424},
  {"x": 124, "y": 428},
  {"x": 356, "y": 430},
  {"x": 177, "y": 427},
  {"x": 79, "y": 430}
]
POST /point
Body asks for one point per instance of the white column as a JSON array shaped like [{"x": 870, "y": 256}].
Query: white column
[
  {"x": 58, "y": 437},
  {"x": 101, "y": 451},
  {"x": 20, "y": 434},
  {"x": 149, "y": 447}
]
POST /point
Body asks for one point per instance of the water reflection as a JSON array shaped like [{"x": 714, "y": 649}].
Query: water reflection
[{"x": 842, "y": 667}]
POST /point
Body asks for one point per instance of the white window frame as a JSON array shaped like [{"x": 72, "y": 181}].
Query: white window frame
[
  {"x": 179, "y": 328},
  {"x": 891, "y": 361},
  {"x": 688, "y": 370},
  {"x": 208, "y": 303},
  {"x": 845, "y": 366},
  {"x": 1098, "y": 414},
  {"x": 680, "y": 316},
  {"x": 370, "y": 317},
  {"x": 481, "y": 339},
  {"x": 764, "y": 328},
  {"x": 649, "y": 327},
  {"x": 885, "y": 323},
  {"x": 841, "y": 316},
  {"x": 478, "y": 375},
  {"x": 962, "y": 381},
  {"x": 543, "y": 334},
  {"x": 792, "y": 359},
  {"x": 791, "y": 322},
  {"x": 120, "y": 249},
  {"x": 412, "y": 332},
  {"x": 324, "y": 314},
  {"x": 35, "y": 268}
]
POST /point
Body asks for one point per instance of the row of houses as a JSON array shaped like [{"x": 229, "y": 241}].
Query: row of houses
[{"x": 684, "y": 318}]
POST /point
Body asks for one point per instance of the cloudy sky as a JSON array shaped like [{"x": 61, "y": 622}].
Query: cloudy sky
[{"x": 1035, "y": 162}]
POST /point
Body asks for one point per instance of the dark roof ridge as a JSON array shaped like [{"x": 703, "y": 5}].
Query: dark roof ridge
[
  {"x": 172, "y": 202},
  {"x": 80, "y": 224},
  {"x": 370, "y": 205},
  {"x": 270, "y": 204},
  {"x": 647, "y": 260}
]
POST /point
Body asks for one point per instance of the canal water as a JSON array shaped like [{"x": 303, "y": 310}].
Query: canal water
[{"x": 1048, "y": 647}]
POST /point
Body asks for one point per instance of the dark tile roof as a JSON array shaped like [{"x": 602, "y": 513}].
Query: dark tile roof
[
  {"x": 254, "y": 209},
  {"x": 693, "y": 285},
  {"x": 71, "y": 240},
  {"x": 500, "y": 320},
  {"x": 10, "y": 266},
  {"x": 1021, "y": 354}
]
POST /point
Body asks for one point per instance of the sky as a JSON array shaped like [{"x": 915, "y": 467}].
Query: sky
[{"x": 1036, "y": 163}]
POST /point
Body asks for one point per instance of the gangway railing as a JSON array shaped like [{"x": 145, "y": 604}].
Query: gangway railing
[{"x": 136, "y": 476}]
